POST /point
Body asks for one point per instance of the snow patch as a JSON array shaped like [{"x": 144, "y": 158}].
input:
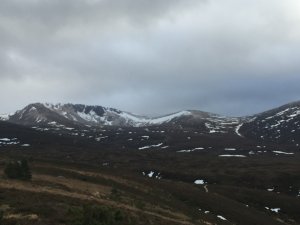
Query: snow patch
[
  {"x": 276, "y": 210},
  {"x": 151, "y": 174},
  {"x": 238, "y": 156},
  {"x": 151, "y": 146},
  {"x": 191, "y": 150},
  {"x": 237, "y": 130},
  {"x": 199, "y": 182},
  {"x": 285, "y": 153},
  {"x": 230, "y": 149},
  {"x": 221, "y": 217},
  {"x": 25, "y": 145}
]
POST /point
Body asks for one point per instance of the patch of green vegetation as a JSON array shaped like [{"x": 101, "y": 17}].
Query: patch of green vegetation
[
  {"x": 97, "y": 215},
  {"x": 18, "y": 170}
]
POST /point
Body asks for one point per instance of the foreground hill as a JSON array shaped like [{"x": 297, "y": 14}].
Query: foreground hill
[{"x": 146, "y": 188}]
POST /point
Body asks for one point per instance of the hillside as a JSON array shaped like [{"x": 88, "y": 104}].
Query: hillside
[{"x": 192, "y": 168}]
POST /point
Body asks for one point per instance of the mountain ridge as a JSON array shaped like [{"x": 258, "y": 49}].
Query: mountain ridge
[
  {"x": 281, "y": 124},
  {"x": 85, "y": 114}
]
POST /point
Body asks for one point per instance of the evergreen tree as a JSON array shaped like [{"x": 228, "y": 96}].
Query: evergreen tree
[
  {"x": 12, "y": 170},
  {"x": 26, "y": 173},
  {"x": 18, "y": 170}
]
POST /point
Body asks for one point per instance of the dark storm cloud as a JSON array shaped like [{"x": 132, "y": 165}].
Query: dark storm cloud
[{"x": 151, "y": 57}]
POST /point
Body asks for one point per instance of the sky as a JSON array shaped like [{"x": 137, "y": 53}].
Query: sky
[{"x": 232, "y": 57}]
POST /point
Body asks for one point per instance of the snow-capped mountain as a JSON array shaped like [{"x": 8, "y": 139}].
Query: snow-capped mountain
[
  {"x": 66, "y": 114},
  {"x": 38, "y": 114},
  {"x": 278, "y": 125}
]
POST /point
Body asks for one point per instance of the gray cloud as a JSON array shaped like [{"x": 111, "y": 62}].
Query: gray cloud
[{"x": 150, "y": 57}]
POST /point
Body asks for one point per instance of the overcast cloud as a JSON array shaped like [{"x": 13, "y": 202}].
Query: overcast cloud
[{"x": 232, "y": 57}]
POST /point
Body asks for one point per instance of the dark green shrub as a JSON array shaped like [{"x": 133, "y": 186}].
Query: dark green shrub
[{"x": 18, "y": 170}]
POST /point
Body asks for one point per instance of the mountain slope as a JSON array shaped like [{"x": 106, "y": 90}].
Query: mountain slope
[{"x": 280, "y": 125}]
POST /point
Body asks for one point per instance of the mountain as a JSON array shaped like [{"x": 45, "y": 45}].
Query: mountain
[
  {"x": 38, "y": 114},
  {"x": 78, "y": 114},
  {"x": 280, "y": 125}
]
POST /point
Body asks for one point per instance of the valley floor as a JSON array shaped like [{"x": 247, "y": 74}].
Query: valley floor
[{"x": 233, "y": 191}]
